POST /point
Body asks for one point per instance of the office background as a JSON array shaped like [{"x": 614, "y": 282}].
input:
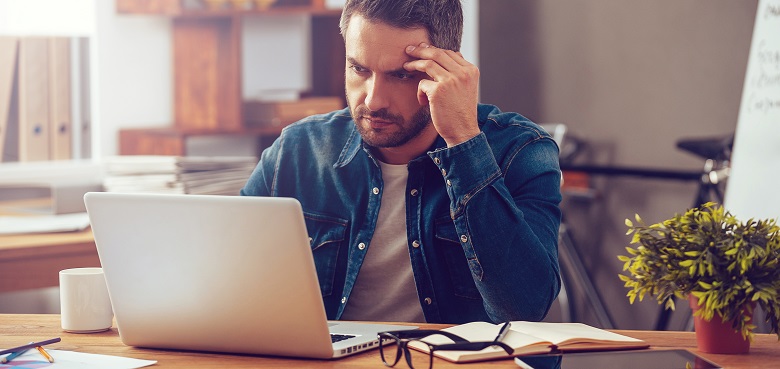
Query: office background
[
  {"x": 628, "y": 77},
  {"x": 631, "y": 77}
]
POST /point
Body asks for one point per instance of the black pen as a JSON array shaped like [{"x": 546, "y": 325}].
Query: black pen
[
  {"x": 502, "y": 333},
  {"x": 29, "y": 346}
]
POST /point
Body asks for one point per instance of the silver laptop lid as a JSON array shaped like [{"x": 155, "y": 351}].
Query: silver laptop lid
[{"x": 212, "y": 273}]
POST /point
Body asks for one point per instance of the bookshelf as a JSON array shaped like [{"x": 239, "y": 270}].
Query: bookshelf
[{"x": 207, "y": 68}]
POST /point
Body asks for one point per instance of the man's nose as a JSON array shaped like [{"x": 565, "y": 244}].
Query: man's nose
[{"x": 376, "y": 97}]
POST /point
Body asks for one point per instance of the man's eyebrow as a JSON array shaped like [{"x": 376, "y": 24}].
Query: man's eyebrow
[{"x": 352, "y": 61}]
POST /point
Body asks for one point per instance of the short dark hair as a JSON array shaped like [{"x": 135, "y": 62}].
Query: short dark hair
[{"x": 442, "y": 18}]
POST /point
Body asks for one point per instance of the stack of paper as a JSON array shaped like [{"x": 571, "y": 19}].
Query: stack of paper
[{"x": 218, "y": 175}]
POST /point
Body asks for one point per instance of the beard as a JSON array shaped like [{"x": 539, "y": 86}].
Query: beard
[{"x": 380, "y": 138}]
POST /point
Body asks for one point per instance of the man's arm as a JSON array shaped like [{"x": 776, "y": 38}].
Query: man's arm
[{"x": 507, "y": 218}]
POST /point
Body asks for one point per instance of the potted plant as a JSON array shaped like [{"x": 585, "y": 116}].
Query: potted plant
[{"x": 725, "y": 267}]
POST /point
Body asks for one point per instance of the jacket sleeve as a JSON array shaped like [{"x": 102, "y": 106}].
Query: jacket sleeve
[
  {"x": 262, "y": 182},
  {"x": 507, "y": 218}
]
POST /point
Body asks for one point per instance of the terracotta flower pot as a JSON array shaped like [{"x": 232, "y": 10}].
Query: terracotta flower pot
[{"x": 716, "y": 336}]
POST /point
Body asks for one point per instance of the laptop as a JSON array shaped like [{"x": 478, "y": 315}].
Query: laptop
[{"x": 217, "y": 273}]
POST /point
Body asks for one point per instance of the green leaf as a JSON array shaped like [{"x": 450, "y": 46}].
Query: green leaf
[{"x": 669, "y": 304}]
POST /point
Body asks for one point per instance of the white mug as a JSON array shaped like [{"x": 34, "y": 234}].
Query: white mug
[{"x": 84, "y": 303}]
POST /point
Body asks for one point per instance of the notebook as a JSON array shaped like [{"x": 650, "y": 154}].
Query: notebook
[{"x": 217, "y": 273}]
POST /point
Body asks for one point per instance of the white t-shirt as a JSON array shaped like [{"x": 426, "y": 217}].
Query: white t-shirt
[{"x": 385, "y": 288}]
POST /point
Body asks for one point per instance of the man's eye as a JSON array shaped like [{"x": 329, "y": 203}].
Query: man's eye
[
  {"x": 404, "y": 76},
  {"x": 358, "y": 69}
]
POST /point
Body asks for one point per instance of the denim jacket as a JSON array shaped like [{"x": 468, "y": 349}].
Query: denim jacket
[{"x": 482, "y": 217}]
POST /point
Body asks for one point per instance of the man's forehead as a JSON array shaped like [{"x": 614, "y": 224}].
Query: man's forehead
[{"x": 364, "y": 36}]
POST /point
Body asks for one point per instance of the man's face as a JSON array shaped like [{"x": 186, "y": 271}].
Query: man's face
[{"x": 382, "y": 96}]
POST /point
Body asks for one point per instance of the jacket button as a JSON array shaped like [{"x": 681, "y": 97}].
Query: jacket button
[
  {"x": 437, "y": 161},
  {"x": 428, "y": 301},
  {"x": 343, "y": 300},
  {"x": 415, "y": 244},
  {"x": 464, "y": 238},
  {"x": 449, "y": 183},
  {"x": 362, "y": 246},
  {"x": 375, "y": 190},
  {"x": 444, "y": 172},
  {"x": 414, "y": 192}
]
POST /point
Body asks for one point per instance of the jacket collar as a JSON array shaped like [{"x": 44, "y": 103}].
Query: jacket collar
[{"x": 351, "y": 147}]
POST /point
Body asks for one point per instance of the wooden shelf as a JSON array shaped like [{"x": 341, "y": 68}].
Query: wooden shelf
[
  {"x": 172, "y": 140},
  {"x": 207, "y": 78},
  {"x": 174, "y": 8}
]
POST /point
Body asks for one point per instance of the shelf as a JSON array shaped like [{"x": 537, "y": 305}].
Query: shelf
[
  {"x": 207, "y": 80},
  {"x": 172, "y": 140},
  {"x": 175, "y": 8}
]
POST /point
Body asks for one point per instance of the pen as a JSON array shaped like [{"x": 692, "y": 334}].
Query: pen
[
  {"x": 45, "y": 354},
  {"x": 29, "y": 346},
  {"x": 12, "y": 356},
  {"x": 502, "y": 333}
]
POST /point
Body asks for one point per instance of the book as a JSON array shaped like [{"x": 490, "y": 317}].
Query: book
[
  {"x": 527, "y": 338},
  {"x": 178, "y": 174}
]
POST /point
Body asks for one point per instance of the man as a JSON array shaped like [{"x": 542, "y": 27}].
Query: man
[{"x": 421, "y": 205}]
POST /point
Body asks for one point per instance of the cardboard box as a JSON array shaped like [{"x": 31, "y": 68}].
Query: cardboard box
[{"x": 278, "y": 113}]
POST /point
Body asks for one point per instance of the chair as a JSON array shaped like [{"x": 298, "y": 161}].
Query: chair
[{"x": 573, "y": 271}]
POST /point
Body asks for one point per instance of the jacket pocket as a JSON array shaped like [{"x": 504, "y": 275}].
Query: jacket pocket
[
  {"x": 448, "y": 244},
  {"x": 326, "y": 235}
]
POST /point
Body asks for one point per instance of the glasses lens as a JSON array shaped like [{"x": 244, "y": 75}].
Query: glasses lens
[
  {"x": 389, "y": 349},
  {"x": 417, "y": 359}
]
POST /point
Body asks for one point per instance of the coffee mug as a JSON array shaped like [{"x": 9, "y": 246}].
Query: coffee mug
[{"x": 84, "y": 303}]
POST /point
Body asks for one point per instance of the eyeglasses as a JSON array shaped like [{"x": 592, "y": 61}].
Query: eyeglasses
[{"x": 423, "y": 360}]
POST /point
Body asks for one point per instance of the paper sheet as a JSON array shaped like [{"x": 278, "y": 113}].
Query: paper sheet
[
  {"x": 74, "y": 360},
  {"x": 44, "y": 223}
]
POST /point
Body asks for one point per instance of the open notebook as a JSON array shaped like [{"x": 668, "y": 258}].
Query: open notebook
[{"x": 527, "y": 338}]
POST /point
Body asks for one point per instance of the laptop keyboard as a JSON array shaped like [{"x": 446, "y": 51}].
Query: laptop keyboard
[{"x": 339, "y": 337}]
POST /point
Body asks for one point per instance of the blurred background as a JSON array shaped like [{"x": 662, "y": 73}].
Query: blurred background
[{"x": 629, "y": 79}]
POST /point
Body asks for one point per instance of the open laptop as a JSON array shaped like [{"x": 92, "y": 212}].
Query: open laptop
[{"x": 217, "y": 273}]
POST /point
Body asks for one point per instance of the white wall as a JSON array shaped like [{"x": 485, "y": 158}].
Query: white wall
[
  {"x": 132, "y": 74},
  {"x": 47, "y": 17},
  {"x": 470, "y": 43},
  {"x": 272, "y": 44}
]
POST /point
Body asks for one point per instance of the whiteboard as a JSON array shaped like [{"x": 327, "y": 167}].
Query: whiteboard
[{"x": 753, "y": 189}]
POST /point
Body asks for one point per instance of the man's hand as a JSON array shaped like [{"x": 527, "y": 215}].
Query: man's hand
[{"x": 451, "y": 92}]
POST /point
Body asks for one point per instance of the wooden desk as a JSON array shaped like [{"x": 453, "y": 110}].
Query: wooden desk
[
  {"x": 17, "y": 329},
  {"x": 34, "y": 260}
]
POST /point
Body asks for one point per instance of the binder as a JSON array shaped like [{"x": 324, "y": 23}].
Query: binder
[
  {"x": 82, "y": 129},
  {"x": 60, "y": 117},
  {"x": 7, "y": 75},
  {"x": 33, "y": 77}
]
